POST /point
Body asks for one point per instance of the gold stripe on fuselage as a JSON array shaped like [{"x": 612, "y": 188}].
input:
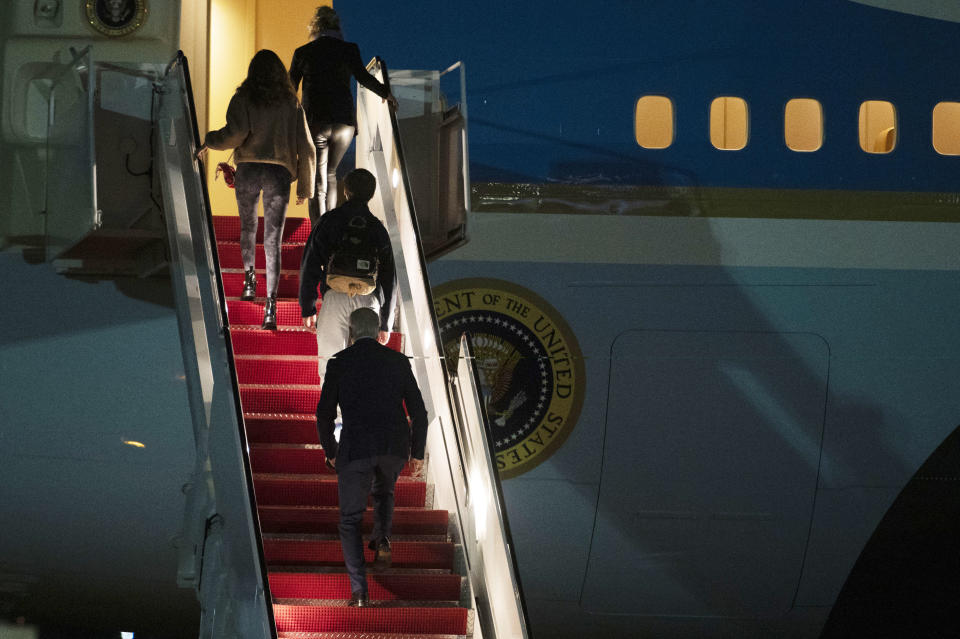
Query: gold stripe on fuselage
[{"x": 686, "y": 201}]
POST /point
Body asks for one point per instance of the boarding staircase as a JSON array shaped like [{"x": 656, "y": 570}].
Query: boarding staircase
[
  {"x": 259, "y": 542},
  {"x": 296, "y": 494}
]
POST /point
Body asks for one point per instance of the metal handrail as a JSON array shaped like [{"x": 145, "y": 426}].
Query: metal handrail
[
  {"x": 219, "y": 512},
  {"x": 462, "y": 399},
  {"x": 468, "y": 375}
]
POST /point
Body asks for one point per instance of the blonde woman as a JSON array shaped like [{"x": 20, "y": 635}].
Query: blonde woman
[{"x": 326, "y": 65}]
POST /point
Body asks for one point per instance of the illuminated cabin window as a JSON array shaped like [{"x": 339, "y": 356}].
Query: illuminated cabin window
[
  {"x": 728, "y": 123},
  {"x": 946, "y": 128},
  {"x": 878, "y": 126},
  {"x": 803, "y": 124},
  {"x": 653, "y": 122}
]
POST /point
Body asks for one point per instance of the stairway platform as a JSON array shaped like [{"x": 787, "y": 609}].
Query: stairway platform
[{"x": 116, "y": 252}]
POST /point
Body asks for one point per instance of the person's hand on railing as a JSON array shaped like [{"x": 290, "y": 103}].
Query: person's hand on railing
[
  {"x": 416, "y": 468},
  {"x": 311, "y": 321},
  {"x": 201, "y": 151}
]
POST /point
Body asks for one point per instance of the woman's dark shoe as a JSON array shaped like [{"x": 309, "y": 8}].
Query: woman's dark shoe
[
  {"x": 249, "y": 285},
  {"x": 270, "y": 314}
]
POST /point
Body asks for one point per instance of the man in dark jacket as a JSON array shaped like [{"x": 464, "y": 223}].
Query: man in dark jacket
[
  {"x": 372, "y": 384},
  {"x": 332, "y": 321}
]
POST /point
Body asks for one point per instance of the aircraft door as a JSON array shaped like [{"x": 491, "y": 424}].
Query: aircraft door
[{"x": 710, "y": 468}]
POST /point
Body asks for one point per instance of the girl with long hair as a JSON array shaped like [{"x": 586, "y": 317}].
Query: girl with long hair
[{"x": 267, "y": 129}]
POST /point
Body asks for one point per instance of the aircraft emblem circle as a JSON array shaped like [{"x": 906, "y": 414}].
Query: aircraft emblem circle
[
  {"x": 116, "y": 17},
  {"x": 528, "y": 361}
]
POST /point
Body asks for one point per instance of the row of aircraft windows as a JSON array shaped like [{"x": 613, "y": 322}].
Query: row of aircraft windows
[{"x": 802, "y": 125}]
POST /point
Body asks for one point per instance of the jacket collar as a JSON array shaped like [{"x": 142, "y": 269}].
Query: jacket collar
[
  {"x": 330, "y": 33},
  {"x": 355, "y": 206}
]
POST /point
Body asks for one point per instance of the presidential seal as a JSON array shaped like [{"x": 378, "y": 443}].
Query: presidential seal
[
  {"x": 529, "y": 363},
  {"x": 116, "y": 17}
]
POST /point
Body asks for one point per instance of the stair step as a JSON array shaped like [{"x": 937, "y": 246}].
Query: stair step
[
  {"x": 289, "y": 341},
  {"x": 287, "y": 286},
  {"x": 372, "y": 619},
  {"x": 293, "y": 459},
  {"x": 296, "y": 230},
  {"x": 382, "y": 586},
  {"x": 284, "y": 458},
  {"x": 277, "y": 369},
  {"x": 324, "y": 520},
  {"x": 243, "y": 313},
  {"x": 321, "y": 490},
  {"x": 230, "y": 256},
  {"x": 264, "y": 428},
  {"x": 280, "y": 551},
  {"x": 364, "y": 635},
  {"x": 258, "y": 398}
]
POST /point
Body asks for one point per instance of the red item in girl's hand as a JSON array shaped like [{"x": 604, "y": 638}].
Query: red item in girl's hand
[{"x": 228, "y": 171}]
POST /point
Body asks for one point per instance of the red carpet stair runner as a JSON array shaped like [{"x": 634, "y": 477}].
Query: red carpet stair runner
[{"x": 420, "y": 596}]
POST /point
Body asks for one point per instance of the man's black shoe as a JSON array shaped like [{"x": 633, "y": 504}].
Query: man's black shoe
[
  {"x": 384, "y": 557},
  {"x": 359, "y": 599}
]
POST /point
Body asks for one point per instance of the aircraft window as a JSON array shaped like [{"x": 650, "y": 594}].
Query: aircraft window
[
  {"x": 946, "y": 128},
  {"x": 653, "y": 122},
  {"x": 803, "y": 124},
  {"x": 878, "y": 126},
  {"x": 729, "y": 123}
]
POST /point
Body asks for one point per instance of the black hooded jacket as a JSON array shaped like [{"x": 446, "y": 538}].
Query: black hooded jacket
[{"x": 323, "y": 240}]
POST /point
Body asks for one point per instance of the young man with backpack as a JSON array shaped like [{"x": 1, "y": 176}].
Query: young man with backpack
[{"x": 349, "y": 255}]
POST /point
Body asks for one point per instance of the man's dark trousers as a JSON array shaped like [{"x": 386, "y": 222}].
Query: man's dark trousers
[{"x": 354, "y": 480}]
